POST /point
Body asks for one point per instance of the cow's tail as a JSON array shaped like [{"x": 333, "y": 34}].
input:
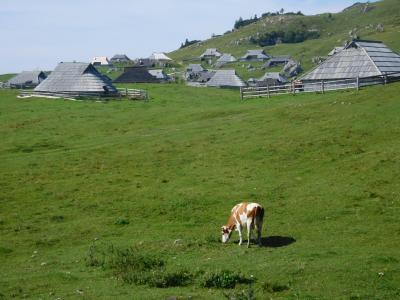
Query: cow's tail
[{"x": 259, "y": 215}]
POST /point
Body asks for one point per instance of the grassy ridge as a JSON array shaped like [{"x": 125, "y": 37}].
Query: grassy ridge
[
  {"x": 6, "y": 77},
  {"x": 334, "y": 30},
  {"x": 163, "y": 175}
]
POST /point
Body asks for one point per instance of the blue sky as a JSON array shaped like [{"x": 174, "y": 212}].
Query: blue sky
[{"x": 39, "y": 34}]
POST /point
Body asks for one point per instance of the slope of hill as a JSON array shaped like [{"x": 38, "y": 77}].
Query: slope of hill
[
  {"x": 82, "y": 182},
  {"x": 333, "y": 28}
]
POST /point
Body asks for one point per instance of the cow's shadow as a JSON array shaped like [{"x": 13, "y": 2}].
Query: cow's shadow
[
  {"x": 277, "y": 241},
  {"x": 272, "y": 241}
]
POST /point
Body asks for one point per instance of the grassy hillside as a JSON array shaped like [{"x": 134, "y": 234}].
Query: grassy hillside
[
  {"x": 334, "y": 30},
  {"x": 6, "y": 77},
  {"x": 162, "y": 176}
]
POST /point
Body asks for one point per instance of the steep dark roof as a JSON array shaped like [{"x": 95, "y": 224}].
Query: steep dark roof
[
  {"x": 76, "y": 77},
  {"x": 136, "y": 75},
  {"x": 120, "y": 57}
]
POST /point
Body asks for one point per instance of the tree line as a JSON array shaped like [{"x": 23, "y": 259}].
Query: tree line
[
  {"x": 244, "y": 22},
  {"x": 287, "y": 37}
]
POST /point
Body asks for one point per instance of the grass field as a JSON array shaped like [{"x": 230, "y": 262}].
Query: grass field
[{"x": 81, "y": 182}]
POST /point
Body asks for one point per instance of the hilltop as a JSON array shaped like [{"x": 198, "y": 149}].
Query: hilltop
[{"x": 375, "y": 21}]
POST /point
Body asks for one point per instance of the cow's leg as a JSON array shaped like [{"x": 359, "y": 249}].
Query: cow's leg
[
  {"x": 239, "y": 229},
  {"x": 259, "y": 229},
  {"x": 249, "y": 227}
]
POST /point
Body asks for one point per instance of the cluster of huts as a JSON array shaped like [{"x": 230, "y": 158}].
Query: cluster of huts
[
  {"x": 196, "y": 75},
  {"x": 357, "y": 59},
  {"x": 79, "y": 78}
]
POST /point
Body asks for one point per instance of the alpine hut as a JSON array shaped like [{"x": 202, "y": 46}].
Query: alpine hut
[
  {"x": 144, "y": 62},
  {"x": 273, "y": 78},
  {"x": 136, "y": 75},
  {"x": 194, "y": 68},
  {"x": 27, "y": 79},
  {"x": 277, "y": 60},
  {"x": 118, "y": 58},
  {"x": 226, "y": 78},
  {"x": 100, "y": 61},
  {"x": 255, "y": 55},
  {"x": 160, "y": 57},
  {"x": 159, "y": 74},
  {"x": 76, "y": 79},
  {"x": 359, "y": 59},
  {"x": 225, "y": 59},
  {"x": 210, "y": 53}
]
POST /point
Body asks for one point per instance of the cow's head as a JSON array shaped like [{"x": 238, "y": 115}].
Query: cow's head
[{"x": 226, "y": 233}]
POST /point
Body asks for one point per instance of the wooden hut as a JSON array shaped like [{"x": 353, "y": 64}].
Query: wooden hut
[
  {"x": 136, "y": 75},
  {"x": 26, "y": 79},
  {"x": 360, "y": 59},
  {"x": 76, "y": 78},
  {"x": 226, "y": 79},
  {"x": 255, "y": 55}
]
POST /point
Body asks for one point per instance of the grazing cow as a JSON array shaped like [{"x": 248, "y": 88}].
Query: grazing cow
[{"x": 244, "y": 214}]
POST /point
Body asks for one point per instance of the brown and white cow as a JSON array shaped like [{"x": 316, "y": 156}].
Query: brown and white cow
[{"x": 247, "y": 215}]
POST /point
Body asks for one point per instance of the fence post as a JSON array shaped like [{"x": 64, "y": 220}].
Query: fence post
[
  {"x": 323, "y": 87},
  {"x": 268, "y": 90},
  {"x": 241, "y": 93},
  {"x": 385, "y": 79},
  {"x": 126, "y": 92},
  {"x": 358, "y": 83},
  {"x": 293, "y": 88}
]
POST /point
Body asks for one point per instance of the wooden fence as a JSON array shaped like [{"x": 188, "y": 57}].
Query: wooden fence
[
  {"x": 299, "y": 87},
  {"x": 322, "y": 86},
  {"x": 134, "y": 94}
]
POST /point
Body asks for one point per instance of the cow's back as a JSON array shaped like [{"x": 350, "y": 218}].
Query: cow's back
[{"x": 244, "y": 212}]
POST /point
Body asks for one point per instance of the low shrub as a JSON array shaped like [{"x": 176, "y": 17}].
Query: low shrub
[
  {"x": 224, "y": 279},
  {"x": 161, "y": 279},
  {"x": 121, "y": 221},
  {"x": 134, "y": 266},
  {"x": 274, "y": 287}
]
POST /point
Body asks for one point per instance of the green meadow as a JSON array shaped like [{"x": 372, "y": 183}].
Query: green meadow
[{"x": 125, "y": 199}]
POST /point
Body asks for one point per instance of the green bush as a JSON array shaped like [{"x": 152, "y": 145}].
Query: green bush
[
  {"x": 274, "y": 287},
  {"x": 161, "y": 279},
  {"x": 224, "y": 279}
]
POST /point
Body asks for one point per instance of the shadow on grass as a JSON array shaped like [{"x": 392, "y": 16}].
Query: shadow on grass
[
  {"x": 277, "y": 241},
  {"x": 272, "y": 241}
]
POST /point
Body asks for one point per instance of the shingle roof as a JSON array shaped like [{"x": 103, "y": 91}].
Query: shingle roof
[
  {"x": 120, "y": 57},
  {"x": 226, "y": 58},
  {"x": 27, "y": 78},
  {"x": 281, "y": 58},
  {"x": 159, "y": 56},
  {"x": 211, "y": 52},
  {"x": 274, "y": 76},
  {"x": 159, "y": 74},
  {"x": 194, "y": 68},
  {"x": 136, "y": 75},
  {"x": 358, "y": 59},
  {"x": 226, "y": 78},
  {"x": 260, "y": 54},
  {"x": 335, "y": 50},
  {"x": 75, "y": 77},
  {"x": 102, "y": 60}
]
